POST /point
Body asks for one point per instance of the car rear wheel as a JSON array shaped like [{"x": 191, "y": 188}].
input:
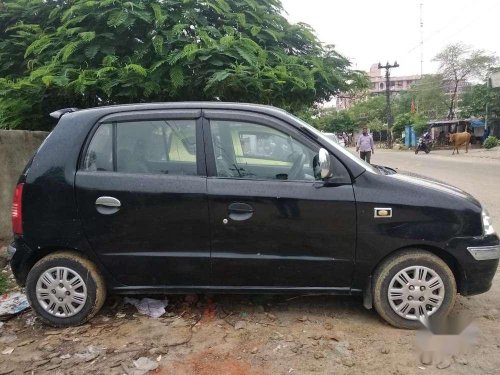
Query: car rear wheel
[
  {"x": 65, "y": 289},
  {"x": 411, "y": 285}
]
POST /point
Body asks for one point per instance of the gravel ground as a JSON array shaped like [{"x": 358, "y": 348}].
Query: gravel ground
[{"x": 227, "y": 334}]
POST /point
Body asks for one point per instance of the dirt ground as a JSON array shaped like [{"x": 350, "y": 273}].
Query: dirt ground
[{"x": 228, "y": 334}]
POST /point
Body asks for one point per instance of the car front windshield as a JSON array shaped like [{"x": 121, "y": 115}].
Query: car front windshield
[{"x": 342, "y": 150}]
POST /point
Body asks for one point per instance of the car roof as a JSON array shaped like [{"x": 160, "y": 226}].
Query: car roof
[{"x": 182, "y": 105}]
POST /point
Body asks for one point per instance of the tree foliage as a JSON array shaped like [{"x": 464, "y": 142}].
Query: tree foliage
[
  {"x": 491, "y": 142},
  {"x": 84, "y": 53},
  {"x": 418, "y": 121},
  {"x": 429, "y": 96},
  {"x": 377, "y": 126},
  {"x": 459, "y": 63},
  {"x": 329, "y": 120},
  {"x": 368, "y": 110},
  {"x": 476, "y": 98}
]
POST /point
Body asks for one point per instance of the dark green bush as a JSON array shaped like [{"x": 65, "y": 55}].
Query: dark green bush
[{"x": 490, "y": 142}]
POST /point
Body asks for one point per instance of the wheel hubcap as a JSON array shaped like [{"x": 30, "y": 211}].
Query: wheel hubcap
[
  {"x": 61, "y": 291},
  {"x": 416, "y": 291}
]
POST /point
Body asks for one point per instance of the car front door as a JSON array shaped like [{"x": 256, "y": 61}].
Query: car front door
[
  {"x": 141, "y": 193},
  {"x": 274, "y": 223}
]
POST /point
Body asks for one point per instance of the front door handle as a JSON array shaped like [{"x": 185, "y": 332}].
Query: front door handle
[
  {"x": 239, "y": 211},
  {"x": 107, "y": 205}
]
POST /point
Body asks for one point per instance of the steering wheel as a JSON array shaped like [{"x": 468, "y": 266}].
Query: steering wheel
[{"x": 297, "y": 170}]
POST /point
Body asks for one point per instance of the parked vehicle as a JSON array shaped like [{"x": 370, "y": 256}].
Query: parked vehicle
[
  {"x": 219, "y": 197},
  {"x": 332, "y": 137},
  {"x": 335, "y": 138},
  {"x": 341, "y": 141}
]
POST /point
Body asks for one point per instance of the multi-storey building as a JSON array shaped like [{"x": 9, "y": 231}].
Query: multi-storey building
[
  {"x": 377, "y": 87},
  {"x": 397, "y": 83}
]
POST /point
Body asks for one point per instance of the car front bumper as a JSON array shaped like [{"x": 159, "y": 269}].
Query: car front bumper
[{"x": 478, "y": 259}]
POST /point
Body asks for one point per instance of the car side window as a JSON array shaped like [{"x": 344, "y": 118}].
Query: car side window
[
  {"x": 152, "y": 146},
  {"x": 255, "y": 151},
  {"x": 99, "y": 155}
]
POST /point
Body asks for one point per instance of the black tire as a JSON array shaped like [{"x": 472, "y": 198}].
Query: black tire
[
  {"x": 416, "y": 151},
  {"x": 90, "y": 275},
  {"x": 394, "y": 264}
]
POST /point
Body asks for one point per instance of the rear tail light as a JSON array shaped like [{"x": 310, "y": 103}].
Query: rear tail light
[{"x": 17, "y": 210}]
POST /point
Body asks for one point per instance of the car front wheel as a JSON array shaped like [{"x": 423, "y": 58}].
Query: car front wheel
[
  {"x": 65, "y": 289},
  {"x": 412, "y": 285}
]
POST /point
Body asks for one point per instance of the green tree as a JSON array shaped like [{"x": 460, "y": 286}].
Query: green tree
[
  {"x": 367, "y": 110},
  {"x": 329, "y": 120},
  {"x": 420, "y": 124},
  {"x": 418, "y": 121},
  {"x": 476, "y": 98},
  {"x": 429, "y": 96},
  {"x": 83, "y": 53},
  {"x": 376, "y": 126},
  {"x": 459, "y": 63},
  {"x": 342, "y": 122},
  {"x": 401, "y": 121},
  {"x": 401, "y": 103}
]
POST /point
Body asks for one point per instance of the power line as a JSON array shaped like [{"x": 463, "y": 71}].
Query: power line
[
  {"x": 475, "y": 20},
  {"x": 430, "y": 36},
  {"x": 438, "y": 31}
]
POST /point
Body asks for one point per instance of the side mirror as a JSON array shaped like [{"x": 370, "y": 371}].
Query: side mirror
[{"x": 325, "y": 164}]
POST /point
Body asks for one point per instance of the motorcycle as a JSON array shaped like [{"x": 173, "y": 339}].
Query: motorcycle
[{"x": 423, "y": 145}]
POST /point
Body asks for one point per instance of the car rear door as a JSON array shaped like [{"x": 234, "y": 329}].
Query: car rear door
[
  {"x": 141, "y": 193},
  {"x": 273, "y": 223}
]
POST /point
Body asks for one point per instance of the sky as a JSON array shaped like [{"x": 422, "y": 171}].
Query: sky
[{"x": 370, "y": 31}]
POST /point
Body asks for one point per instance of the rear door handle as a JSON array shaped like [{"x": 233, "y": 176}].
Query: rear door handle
[
  {"x": 239, "y": 211},
  {"x": 107, "y": 205}
]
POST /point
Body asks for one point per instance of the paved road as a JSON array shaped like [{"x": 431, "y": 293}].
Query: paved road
[{"x": 480, "y": 176}]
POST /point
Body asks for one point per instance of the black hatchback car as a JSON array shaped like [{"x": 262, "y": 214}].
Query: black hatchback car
[{"x": 235, "y": 198}]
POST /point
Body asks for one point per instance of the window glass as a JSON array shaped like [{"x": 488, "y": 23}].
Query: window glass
[
  {"x": 158, "y": 146},
  {"x": 247, "y": 150},
  {"x": 100, "y": 152}
]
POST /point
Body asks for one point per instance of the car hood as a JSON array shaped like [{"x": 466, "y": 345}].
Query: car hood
[{"x": 433, "y": 184}]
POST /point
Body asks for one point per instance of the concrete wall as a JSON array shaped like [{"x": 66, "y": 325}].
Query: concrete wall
[{"x": 16, "y": 148}]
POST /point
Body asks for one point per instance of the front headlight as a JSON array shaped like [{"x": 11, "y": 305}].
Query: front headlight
[{"x": 487, "y": 226}]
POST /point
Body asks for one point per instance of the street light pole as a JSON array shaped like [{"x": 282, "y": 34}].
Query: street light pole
[{"x": 387, "y": 68}]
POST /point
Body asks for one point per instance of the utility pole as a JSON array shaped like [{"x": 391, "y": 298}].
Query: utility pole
[{"x": 388, "y": 68}]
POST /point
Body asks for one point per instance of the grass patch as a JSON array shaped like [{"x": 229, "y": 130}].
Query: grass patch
[{"x": 4, "y": 283}]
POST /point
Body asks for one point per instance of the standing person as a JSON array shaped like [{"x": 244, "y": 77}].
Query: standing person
[{"x": 365, "y": 145}]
